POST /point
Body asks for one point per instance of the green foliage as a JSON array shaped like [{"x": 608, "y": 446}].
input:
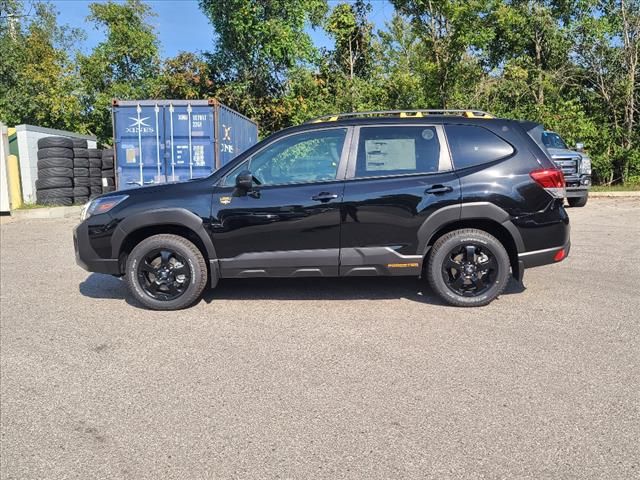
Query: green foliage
[
  {"x": 257, "y": 44},
  {"x": 123, "y": 66},
  {"x": 186, "y": 76},
  {"x": 573, "y": 65},
  {"x": 38, "y": 84}
]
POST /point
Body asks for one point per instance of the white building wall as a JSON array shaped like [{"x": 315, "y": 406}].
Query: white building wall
[{"x": 5, "y": 205}]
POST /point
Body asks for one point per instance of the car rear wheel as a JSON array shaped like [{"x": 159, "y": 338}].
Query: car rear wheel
[
  {"x": 468, "y": 268},
  {"x": 166, "y": 272}
]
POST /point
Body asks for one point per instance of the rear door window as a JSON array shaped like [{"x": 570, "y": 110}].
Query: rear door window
[
  {"x": 471, "y": 145},
  {"x": 397, "y": 150}
]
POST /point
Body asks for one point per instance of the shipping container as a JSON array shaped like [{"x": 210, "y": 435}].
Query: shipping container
[{"x": 159, "y": 141}]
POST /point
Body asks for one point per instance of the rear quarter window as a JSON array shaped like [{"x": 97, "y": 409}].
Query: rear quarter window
[{"x": 472, "y": 145}]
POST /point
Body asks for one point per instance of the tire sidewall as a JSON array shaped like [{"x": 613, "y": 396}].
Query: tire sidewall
[{"x": 489, "y": 242}]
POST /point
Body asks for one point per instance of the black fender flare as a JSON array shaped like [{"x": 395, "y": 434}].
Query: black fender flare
[
  {"x": 466, "y": 211},
  {"x": 163, "y": 216}
]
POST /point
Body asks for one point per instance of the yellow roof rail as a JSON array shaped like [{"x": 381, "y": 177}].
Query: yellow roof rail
[
  {"x": 476, "y": 114},
  {"x": 467, "y": 113},
  {"x": 410, "y": 114}
]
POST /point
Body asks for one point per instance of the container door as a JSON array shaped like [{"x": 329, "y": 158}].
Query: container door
[
  {"x": 235, "y": 134},
  {"x": 139, "y": 146},
  {"x": 189, "y": 141}
]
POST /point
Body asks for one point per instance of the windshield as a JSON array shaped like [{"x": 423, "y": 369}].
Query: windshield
[{"x": 553, "y": 140}]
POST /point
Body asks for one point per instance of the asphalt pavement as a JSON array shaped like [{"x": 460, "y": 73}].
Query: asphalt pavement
[{"x": 323, "y": 379}]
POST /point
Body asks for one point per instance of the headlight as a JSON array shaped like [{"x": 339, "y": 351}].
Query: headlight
[
  {"x": 101, "y": 205},
  {"x": 585, "y": 166}
]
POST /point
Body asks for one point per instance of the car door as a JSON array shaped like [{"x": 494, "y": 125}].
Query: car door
[
  {"x": 288, "y": 224},
  {"x": 398, "y": 175}
]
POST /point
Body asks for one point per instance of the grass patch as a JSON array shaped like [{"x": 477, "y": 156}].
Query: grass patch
[
  {"x": 633, "y": 187},
  {"x": 31, "y": 206}
]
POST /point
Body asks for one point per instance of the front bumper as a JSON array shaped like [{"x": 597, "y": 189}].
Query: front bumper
[
  {"x": 577, "y": 185},
  {"x": 87, "y": 258}
]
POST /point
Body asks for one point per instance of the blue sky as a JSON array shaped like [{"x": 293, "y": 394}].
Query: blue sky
[{"x": 182, "y": 26}]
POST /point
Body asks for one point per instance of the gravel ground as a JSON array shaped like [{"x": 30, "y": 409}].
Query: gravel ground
[{"x": 310, "y": 379}]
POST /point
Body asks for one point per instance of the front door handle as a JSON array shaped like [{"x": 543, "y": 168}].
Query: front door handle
[
  {"x": 324, "y": 197},
  {"x": 439, "y": 189}
]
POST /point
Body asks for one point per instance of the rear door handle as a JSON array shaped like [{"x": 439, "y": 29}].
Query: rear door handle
[
  {"x": 439, "y": 189},
  {"x": 324, "y": 197}
]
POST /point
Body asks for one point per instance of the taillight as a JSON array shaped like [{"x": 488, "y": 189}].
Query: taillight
[{"x": 551, "y": 179}]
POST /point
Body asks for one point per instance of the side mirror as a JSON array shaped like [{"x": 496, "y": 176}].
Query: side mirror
[
  {"x": 244, "y": 181},
  {"x": 580, "y": 147}
]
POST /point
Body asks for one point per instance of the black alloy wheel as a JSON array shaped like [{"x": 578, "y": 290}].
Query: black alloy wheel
[
  {"x": 470, "y": 269},
  {"x": 164, "y": 274}
]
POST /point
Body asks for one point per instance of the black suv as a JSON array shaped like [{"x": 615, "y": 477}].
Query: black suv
[{"x": 460, "y": 197}]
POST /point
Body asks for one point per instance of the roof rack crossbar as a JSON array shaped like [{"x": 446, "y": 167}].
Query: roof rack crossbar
[{"x": 469, "y": 113}]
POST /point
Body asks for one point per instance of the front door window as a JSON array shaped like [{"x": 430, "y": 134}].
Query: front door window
[{"x": 300, "y": 158}]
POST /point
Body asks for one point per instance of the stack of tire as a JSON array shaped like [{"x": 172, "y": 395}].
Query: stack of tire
[
  {"x": 80, "y": 171},
  {"x": 95, "y": 172},
  {"x": 54, "y": 185},
  {"x": 108, "y": 172}
]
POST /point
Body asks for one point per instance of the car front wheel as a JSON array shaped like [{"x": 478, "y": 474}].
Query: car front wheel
[
  {"x": 468, "y": 267},
  {"x": 166, "y": 272}
]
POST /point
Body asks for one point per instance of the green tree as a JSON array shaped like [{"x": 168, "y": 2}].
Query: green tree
[
  {"x": 123, "y": 66},
  {"x": 448, "y": 31},
  {"x": 38, "y": 82},
  {"x": 400, "y": 61},
  {"x": 257, "y": 45},
  {"x": 348, "y": 68},
  {"x": 186, "y": 75}
]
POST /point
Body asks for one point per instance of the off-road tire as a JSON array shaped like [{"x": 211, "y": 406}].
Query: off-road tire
[
  {"x": 80, "y": 152},
  {"x": 46, "y": 197},
  {"x": 94, "y": 153},
  {"x": 80, "y": 200},
  {"x": 80, "y": 162},
  {"x": 107, "y": 162},
  {"x": 48, "y": 142},
  {"x": 80, "y": 172},
  {"x": 95, "y": 172},
  {"x": 95, "y": 182},
  {"x": 55, "y": 172},
  {"x": 55, "y": 152},
  {"x": 82, "y": 181},
  {"x": 79, "y": 143},
  {"x": 80, "y": 191},
  {"x": 578, "y": 201},
  {"x": 55, "y": 162},
  {"x": 53, "y": 182},
  {"x": 108, "y": 173},
  {"x": 445, "y": 244},
  {"x": 95, "y": 190},
  {"x": 196, "y": 264},
  {"x": 108, "y": 188}
]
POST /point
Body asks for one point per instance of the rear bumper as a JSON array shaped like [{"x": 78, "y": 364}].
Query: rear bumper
[
  {"x": 87, "y": 258},
  {"x": 537, "y": 258}
]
